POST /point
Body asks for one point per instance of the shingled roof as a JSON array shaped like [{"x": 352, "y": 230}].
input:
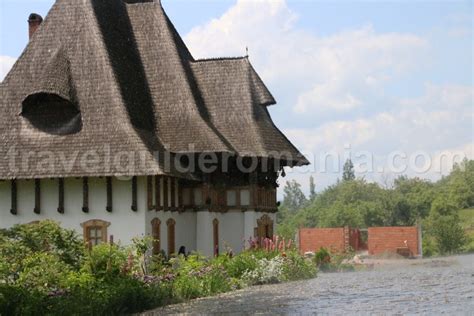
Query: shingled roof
[{"x": 114, "y": 76}]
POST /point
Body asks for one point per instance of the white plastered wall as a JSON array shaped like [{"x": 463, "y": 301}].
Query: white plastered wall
[{"x": 125, "y": 224}]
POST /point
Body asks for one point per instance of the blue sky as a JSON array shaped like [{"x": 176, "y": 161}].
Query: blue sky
[{"x": 378, "y": 76}]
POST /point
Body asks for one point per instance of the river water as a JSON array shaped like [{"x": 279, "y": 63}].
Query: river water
[{"x": 433, "y": 286}]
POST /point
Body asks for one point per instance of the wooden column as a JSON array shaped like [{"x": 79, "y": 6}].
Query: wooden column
[
  {"x": 165, "y": 194},
  {"x": 157, "y": 193},
  {"x": 37, "y": 208},
  {"x": 14, "y": 197},
  {"x": 61, "y": 196},
  {"x": 108, "y": 181},
  {"x": 173, "y": 194},
  {"x": 134, "y": 194},
  {"x": 149, "y": 192},
  {"x": 85, "y": 195}
]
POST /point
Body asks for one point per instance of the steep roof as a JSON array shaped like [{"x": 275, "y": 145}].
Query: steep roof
[{"x": 124, "y": 82}]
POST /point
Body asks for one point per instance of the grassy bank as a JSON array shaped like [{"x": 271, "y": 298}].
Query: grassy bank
[{"x": 46, "y": 270}]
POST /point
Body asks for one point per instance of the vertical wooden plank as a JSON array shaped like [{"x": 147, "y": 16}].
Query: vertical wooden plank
[
  {"x": 37, "y": 208},
  {"x": 61, "y": 196},
  {"x": 173, "y": 193},
  {"x": 215, "y": 225},
  {"x": 134, "y": 194},
  {"x": 157, "y": 193},
  {"x": 85, "y": 195},
  {"x": 14, "y": 198},
  {"x": 165, "y": 193},
  {"x": 149, "y": 192},
  {"x": 109, "y": 207}
]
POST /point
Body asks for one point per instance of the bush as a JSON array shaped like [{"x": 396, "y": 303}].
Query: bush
[
  {"x": 296, "y": 267},
  {"x": 238, "y": 265},
  {"x": 428, "y": 246},
  {"x": 44, "y": 273},
  {"x": 448, "y": 233},
  {"x": 268, "y": 271},
  {"x": 197, "y": 277},
  {"x": 47, "y": 236},
  {"x": 322, "y": 259},
  {"x": 104, "y": 261},
  {"x": 46, "y": 270}
]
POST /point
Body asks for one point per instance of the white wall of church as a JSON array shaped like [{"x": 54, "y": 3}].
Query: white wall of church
[
  {"x": 194, "y": 230},
  {"x": 185, "y": 229},
  {"x": 231, "y": 231},
  {"x": 125, "y": 224},
  {"x": 204, "y": 237}
]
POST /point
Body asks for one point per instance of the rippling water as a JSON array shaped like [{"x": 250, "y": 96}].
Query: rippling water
[{"x": 407, "y": 287}]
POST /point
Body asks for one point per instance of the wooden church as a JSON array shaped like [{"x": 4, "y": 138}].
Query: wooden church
[{"x": 109, "y": 126}]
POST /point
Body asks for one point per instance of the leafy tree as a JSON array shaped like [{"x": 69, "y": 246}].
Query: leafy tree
[
  {"x": 294, "y": 199},
  {"x": 461, "y": 184},
  {"x": 312, "y": 189},
  {"x": 348, "y": 174},
  {"x": 358, "y": 203},
  {"x": 413, "y": 198},
  {"x": 447, "y": 231}
]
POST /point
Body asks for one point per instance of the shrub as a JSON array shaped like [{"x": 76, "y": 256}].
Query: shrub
[
  {"x": 238, "y": 265},
  {"x": 296, "y": 267},
  {"x": 199, "y": 278},
  {"x": 46, "y": 270},
  {"x": 268, "y": 271},
  {"x": 429, "y": 246},
  {"x": 47, "y": 236},
  {"x": 106, "y": 260},
  {"x": 43, "y": 272},
  {"x": 449, "y": 235},
  {"x": 322, "y": 258}
]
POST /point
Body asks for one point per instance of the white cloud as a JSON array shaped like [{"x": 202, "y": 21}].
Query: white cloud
[
  {"x": 438, "y": 124},
  {"x": 335, "y": 73},
  {"x": 326, "y": 97},
  {"x": 339, "y": 80},
  {"x": 6, "y": 64},
  {"x": 431, "y": 122}
]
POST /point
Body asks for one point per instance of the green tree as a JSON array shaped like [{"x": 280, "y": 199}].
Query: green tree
[
  {"x": 312, "y": 189},
  {"x": 294, "y": 198},
  {"x": 448, "y": 233},
  {"x": 412, "y": 200},
  {"x": 460, "y": 184},
  {"x": 348, "y": 174}
]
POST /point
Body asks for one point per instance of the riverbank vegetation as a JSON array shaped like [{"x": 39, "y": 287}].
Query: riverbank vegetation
[
  {"x": 46, "y": 270},
  {"x": 443, "y": 208}
]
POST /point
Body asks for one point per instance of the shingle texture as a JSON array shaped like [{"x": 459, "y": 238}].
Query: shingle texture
[{"x": 136, "y": 89}]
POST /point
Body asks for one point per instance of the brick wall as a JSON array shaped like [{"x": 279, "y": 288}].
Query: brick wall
[
  {"x": 312, "y": 239},
  {"x": 388, "y": 239}
]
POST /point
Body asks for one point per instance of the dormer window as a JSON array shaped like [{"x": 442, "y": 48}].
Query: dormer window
[
  {"x": 52, "y": 114},
  {"x": 51, "y": 104}
]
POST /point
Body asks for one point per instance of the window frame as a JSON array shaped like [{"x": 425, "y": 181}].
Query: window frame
[{"x": 95, "y": 224}]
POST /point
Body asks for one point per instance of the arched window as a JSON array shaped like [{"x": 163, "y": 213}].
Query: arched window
[
  {"x": 156, "y": 234},
  {"x": 95, "y": 231},
  {"x": 215, "y": 233},
  {"x": 171, "y": 223}
]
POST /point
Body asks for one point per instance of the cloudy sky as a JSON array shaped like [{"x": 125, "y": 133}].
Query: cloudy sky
[{"x": 389, "y": 83}]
